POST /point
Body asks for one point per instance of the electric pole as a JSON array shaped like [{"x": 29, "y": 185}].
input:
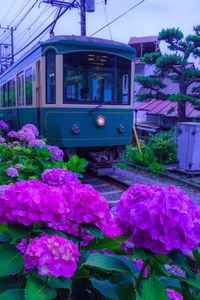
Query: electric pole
[
  {"x": 83, "y": 17},
  {"x": 7, "y": 50}
]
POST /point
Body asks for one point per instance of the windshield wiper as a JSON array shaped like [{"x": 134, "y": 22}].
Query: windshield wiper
[{"x": 97, "y": 107}]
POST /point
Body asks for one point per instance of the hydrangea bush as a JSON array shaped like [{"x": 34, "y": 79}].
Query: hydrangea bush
[
  {"x": 31, "y": 155},
  {"x": 59, "y": 239}
]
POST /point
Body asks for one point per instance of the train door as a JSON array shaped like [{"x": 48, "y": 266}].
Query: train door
[
  {"x": 20, "y": 98},
  {"x": 38, "y": 93}
]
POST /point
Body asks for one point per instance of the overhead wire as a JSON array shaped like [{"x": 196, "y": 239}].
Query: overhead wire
[
  {"x": 120, "y": 16},
  {"x": 39, "y": 27},
  {"x": 26, "y": 14},
  {"x": 15, "y": 17},
  {"x": 41, "y": 33},
  {"x": 106, "y": 16},
  {"x": 38, "y": 17},
  {"x": 9, "y": 9}
]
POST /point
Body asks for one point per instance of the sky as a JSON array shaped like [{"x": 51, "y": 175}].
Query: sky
[{"x": 148, "y": 18}]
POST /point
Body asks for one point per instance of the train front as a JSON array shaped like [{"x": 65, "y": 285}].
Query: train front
[{"x": 88, "y": 105}]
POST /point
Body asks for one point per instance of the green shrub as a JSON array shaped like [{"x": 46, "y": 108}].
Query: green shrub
[{"x": 163, "y": 147}]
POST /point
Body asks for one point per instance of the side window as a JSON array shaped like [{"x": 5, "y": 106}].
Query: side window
[
  {"x": 5, "y": 95},
  {"x": 28, "y": 86},
  {"x": 11, "y": 93},
  {"x": 51, "y": 77},
  {"x": 20, "y": 89}
]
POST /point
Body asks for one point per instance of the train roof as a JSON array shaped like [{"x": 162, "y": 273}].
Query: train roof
[
  {"x": 66, "y": 43},
  {"x": 85, "y": 39}
]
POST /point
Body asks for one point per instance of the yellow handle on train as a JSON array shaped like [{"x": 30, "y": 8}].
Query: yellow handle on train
[{"x": 137, "y": 140}]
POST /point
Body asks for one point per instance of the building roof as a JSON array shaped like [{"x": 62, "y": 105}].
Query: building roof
[
  {"x": 143, "y": 39},
  {"x": 166, "y": 109}
]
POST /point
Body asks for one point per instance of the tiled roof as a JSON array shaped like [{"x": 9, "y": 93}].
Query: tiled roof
[
  {"x": 164, "y": 108},
  {"x": 143, "y": 39}
]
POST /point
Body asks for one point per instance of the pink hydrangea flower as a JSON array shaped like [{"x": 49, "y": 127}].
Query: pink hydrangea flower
[
  {"x": 36, "y": 142},
  {"x": 86, "y": 205},
  {"x": 174, "y": 295},
  {"x": 32, "y": 128},
  {"x": 58, "y": 177},
  {"x": 12, "y": 172},
  {"x": 160, "y": 219},
  {"x": 4, "y": 126},
  {"x": 32, "y": 201},
  {"x": 52, "y": 255},
  {"x": 57, "y": 153}
]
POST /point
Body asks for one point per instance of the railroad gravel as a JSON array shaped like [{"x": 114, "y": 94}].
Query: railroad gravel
[{"x": 138, "y": 176}]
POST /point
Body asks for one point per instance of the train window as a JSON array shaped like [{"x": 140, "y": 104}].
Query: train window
[
  {"x": 11, "y": 93},
  {"x": 51, "y": 77},
  {"x": 28, "y": 86},
  {"x": 20, "y": 89},
  {"x": 94, "y": 77},
  {"x": 5, "y": 95}
]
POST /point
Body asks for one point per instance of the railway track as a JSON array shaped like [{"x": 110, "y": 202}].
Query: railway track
[{"x": 108, "y": 186}]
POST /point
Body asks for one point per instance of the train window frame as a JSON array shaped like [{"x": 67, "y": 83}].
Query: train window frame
[
  {"x": 106, "y": 71},
  {"x": 50, "y": 57},
  {"x": 20, "y": 89},
  {"x": 28, "y": 103}
]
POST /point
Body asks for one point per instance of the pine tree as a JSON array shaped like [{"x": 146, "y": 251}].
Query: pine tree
[{"x": 175, "y": 67}]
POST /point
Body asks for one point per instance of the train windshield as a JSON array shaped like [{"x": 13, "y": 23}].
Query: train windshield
[{"x": 95, "y": 77}]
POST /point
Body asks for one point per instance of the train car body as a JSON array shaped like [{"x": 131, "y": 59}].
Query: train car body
[{"x": 78, "y": 91}]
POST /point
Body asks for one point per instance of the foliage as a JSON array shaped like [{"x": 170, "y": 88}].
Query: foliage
[
  {"x": 160, "y": 149},
  {"x": 163, "y": 147},
  {"x": 61, "y": 240},
  {"x": 20, "y": 161},
  {"x": 175, "y": 67}
]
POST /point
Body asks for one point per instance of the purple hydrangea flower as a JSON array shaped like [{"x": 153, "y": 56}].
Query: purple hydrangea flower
[
  {"x": 3, "y": 188},
  {"x": 160, "y": 219},
  {"x": 12, "y": 172},
  {"x": 57, "y": 152},
  {"x": 174, "y": 295},
  {"x": 12, "y": 134},
  {"x": 32, "y": 128},
  {"x": 36, "y": 142},
  {"x": 25, "y": 135},
  {"x": 58, "y": 177},
  {"x": 4, "y": 126}
]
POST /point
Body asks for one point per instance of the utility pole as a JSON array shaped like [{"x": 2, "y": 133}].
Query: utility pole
[
  {"x": 83, "y": 17},
  {"x": 7, "y": 50}
]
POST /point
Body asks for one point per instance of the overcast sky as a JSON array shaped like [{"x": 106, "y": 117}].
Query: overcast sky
[{"x": 146, "y": 19}]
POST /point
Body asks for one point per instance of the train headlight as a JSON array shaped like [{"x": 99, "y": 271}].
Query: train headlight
[
  {"x": 76, "y": 128},
  {"x": 101, "y": 121},
  {"x": 121, "y": 128}
]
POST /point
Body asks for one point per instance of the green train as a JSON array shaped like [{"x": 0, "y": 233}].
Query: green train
[{"x": 77, "y": 90}]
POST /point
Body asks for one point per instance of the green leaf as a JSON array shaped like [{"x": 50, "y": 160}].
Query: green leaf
[
  {"x": 179, "y": 259},
  {"x": 108, "y": 243},
  {"x": 196, "y": 254},
  {"x": 60, "y": 283},
  {"x": 5, "y": 237},
  {"x": 94, "y": 231},
  {"x": 111, "y": 291},
  {"x": 18, "y": 232},
  {"x": 3, "y": 228},
  {"x": 11, "y": 260},
  {"x": 14, "y": 294},
  {"x": 37, "y": 290},
  {"x": 141, "y": 253},
  {"x": 107, "y": 262},
  {"x": 153, "y": 289}
]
